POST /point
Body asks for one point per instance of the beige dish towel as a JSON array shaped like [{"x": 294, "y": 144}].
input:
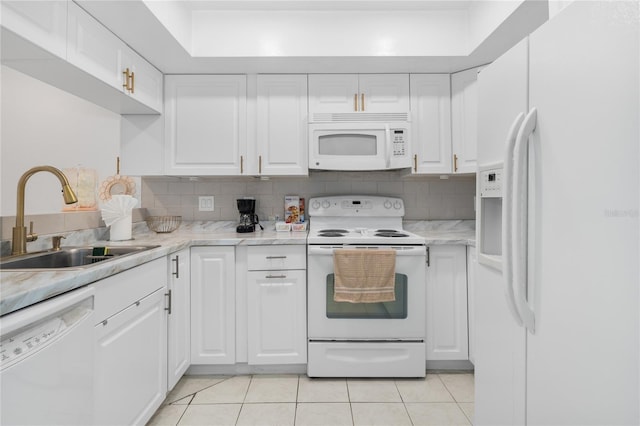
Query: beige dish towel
[{"x": 364, "y": 276}]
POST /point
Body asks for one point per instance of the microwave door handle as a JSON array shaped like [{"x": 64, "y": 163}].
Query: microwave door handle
[{"x": 387, "y": 134}]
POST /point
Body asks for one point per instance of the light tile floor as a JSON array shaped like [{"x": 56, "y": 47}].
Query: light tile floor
[{"x": 439, "y": 399}]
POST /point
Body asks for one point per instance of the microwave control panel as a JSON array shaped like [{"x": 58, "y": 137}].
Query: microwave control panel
[
  {"x": 491, "y": 183},
  {"x": 399, "y": 142}
]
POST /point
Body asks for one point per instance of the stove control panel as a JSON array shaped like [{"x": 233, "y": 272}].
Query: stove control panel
[
  {"x": 356, "y": 204},
  {"x": 348, "y": 205}
]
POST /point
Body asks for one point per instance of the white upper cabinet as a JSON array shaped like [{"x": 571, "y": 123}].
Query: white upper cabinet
[
  {"x": 282, "y": 142},
  {"x": 464, "y": 111},
  {"x": 145, "y": 81},
  {"x": 94, "y": 49},
  {"x": 336, "y": 93},
  {"x": 205, "y": 124},
  {"x": 43, "y": 23},
  {"x": 431, "y": 123},
  {"x": 384, "y": 93},
  {"x": 60, "y": 44},
  {"x": 333, "y": 93}
]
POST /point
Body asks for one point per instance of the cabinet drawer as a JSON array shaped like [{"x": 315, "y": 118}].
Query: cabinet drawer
[
  {"x": 115, "y": 293},
  {"x": 270, "y": 258}
]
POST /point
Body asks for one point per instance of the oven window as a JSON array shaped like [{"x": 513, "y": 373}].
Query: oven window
[
  {"x": 383, "y": 310},
  {"x": 347, "y": 144}
]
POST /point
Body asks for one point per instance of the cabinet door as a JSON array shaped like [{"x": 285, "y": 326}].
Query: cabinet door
[
  {"x": 464, "y": 116},
  {"x": 282, "y": 125},
  {"x": 205, "y": 124},
  {"x": 277, "y": 302},
  {"x": 213, "y": 305},
  {"x": 179, "y": 317},
  {"x": 93, "y": 48},
  {"x": 147, "y": 81},
  {"x": 333, "y": 93},
  {"x": 43, "y": 23},
  {"x": 446, "y": 319},
  {"x": 384, "y": 93},
  {"x": 131, "y": 363},
  {"x": 431, "y": 123},
  {"x": 471, "y": 292}
]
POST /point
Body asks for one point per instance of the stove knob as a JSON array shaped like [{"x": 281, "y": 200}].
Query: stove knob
[
  {"x": 387, "y": 204},
  {"x": 397, "y": 205},
  {"x": 326, "y": 204},
  {"x": 315, "y": 205}
]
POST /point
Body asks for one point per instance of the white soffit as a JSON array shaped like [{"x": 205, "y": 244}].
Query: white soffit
[{"x": 249, "y": 36}]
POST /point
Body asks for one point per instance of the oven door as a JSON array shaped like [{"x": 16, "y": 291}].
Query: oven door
[{"x": 402, "y": 319}]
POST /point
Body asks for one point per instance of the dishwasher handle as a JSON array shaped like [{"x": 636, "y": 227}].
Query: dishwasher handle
[{"x": 32, "y": 314}]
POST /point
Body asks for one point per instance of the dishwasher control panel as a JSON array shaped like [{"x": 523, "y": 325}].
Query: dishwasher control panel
[{"x": 21, "y": 344}]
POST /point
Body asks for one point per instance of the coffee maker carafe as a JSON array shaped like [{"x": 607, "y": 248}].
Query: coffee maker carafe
[{"x": 248, "y": 217}]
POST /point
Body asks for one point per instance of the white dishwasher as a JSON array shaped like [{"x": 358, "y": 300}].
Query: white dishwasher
[{"x": 46, "y": 367}]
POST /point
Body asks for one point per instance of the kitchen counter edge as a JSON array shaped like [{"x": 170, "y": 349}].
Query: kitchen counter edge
[{"x": 25, "y": 288}]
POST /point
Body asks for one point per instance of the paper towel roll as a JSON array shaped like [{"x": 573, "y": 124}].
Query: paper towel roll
[{"x": 120, "y": 230}]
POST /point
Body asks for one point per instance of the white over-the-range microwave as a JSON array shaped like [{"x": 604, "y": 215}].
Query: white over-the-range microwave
[{"x": 359, "y": 141}]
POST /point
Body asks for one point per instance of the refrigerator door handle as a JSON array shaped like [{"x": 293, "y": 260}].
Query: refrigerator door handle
[
  {"x": 520, "y": 225},
  {"x": 507, "y": 219}
]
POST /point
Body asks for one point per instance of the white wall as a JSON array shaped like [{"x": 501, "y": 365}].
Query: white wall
[
  {"x": 324, "y": 33},
  {"x": 42, "y": 125},
  {"x": 425, "y": 197}
]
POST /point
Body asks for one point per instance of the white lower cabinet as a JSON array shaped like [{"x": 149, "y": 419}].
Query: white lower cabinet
[
  {"x": 472, "y": 261},
  {"x": 446, "y": 314},
  {"x": 277, "y": 302},
  {"x": 178, "y": 317},
  {"x": 130, "y": 346},
  {"x": 213, "y": 305}
]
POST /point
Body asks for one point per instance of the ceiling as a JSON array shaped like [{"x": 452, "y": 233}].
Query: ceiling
[{"x": 327, "y": 5}]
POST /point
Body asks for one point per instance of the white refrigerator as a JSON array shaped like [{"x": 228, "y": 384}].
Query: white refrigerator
[{"x": 557, "y": 298}]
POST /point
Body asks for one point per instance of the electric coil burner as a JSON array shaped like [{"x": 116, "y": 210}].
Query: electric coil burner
[{"x": 374, "y": 339}]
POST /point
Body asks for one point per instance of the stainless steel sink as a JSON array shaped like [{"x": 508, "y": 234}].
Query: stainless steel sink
[{"x": 69, "y": 257}]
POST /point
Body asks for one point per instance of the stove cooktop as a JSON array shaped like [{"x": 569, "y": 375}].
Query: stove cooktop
[{"x": 363, "y": 236}]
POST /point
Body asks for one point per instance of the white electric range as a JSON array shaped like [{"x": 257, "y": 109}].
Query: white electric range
[{"x": 382, "y": 339}]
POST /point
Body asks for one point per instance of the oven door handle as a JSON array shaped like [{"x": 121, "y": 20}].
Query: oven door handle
[{"x": 400, "y": 250}]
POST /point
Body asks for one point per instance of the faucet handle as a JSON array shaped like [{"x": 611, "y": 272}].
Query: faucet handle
[
  {"x": 55, "y": 241},
  {"x": 31, "y": 236}
]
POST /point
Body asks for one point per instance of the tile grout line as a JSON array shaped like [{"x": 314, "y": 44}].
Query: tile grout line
[
  {"x": 404, "y": 404},
  {"x": 193, "y": 395},
  {"x": 346, "y": 382},
  {"x": 465, "y": 413},
  {"x": 295, "y": 408}
]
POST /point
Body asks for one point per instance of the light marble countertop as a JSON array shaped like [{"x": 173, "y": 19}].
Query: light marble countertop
[{"x": 22, "y": 289}]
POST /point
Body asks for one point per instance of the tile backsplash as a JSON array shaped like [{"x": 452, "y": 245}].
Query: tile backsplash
[{"x": 425, "y": 198}]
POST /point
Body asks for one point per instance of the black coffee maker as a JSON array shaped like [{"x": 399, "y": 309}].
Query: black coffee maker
[{"x": 248, "y": 217}]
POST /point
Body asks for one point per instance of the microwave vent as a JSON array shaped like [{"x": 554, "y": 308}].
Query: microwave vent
[{"x": 360, "y": 116}]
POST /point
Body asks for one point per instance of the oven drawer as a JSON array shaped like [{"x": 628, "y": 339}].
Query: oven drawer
[
  {"x": 366, "y": 359},
  {"x": 276, "y": 257}
]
